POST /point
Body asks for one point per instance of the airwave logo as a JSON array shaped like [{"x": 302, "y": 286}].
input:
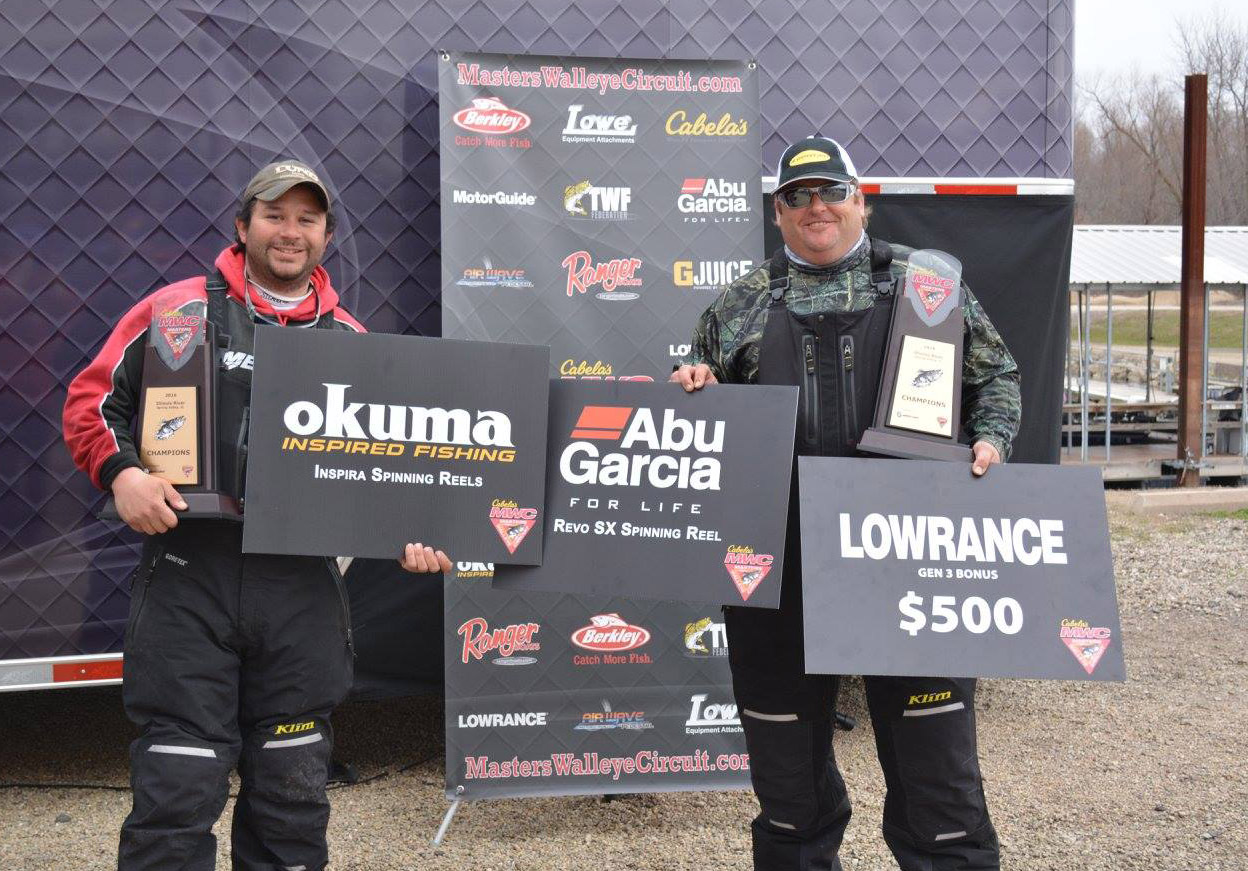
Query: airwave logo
[
  {"x": 502, "y": 721},
  {"x": 708, "y": 274},
  {"x": 714, "y": 200},
  {"x": 490, "y": 115},
  {"x": 494, "y": 276},
  {"x": 588, "y": 127},
  {"x": 479, "y": 640},
  {"x": 712, "y": 719},
  {"x": 498, "y": 198},
  {"x": 583, "y": 274},
  {"x": 582, "y": 463},
  {"x": 335, "y": 418},
  {"x": 607, "y": 718},
  {"x": 609, "y": 633},
  {"x": 593, "y": 202}
]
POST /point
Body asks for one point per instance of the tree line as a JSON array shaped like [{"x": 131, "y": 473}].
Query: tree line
[{"x": 1128, "y": 144}]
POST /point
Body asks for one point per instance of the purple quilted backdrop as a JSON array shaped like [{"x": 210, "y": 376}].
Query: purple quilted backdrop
[{"x": 128, "y": 127}]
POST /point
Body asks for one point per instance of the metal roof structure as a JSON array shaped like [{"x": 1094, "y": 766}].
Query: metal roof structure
[{"x": 1147, "y": 255}]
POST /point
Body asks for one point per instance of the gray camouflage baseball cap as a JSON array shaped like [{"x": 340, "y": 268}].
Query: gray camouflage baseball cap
[{"x": 280, "y": 176}]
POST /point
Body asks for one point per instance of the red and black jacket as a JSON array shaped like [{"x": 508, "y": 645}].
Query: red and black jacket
[{"x": 104, "y": 398}]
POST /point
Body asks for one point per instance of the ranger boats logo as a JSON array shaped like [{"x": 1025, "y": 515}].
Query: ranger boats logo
[
  {"x": 609, "y": 633},
  {"x": 583, "y": 274},
  {"x": 511, "y": 522},
  {"x": 515, "y": 638},
  {"x": 713, "y": 200},
  {"x": 747, "y": 568},
  {"x": 589, "y": 201},
  {"x": 673, "y": 453},
  {"x": 711, "y": 719}
]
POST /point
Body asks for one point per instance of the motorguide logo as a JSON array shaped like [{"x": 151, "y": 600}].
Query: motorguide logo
[
  {"x": 747, "y": 568},
  {"x": 502, "y": 721},
  {"x": 708, "y": 274},
  {"x": 497, "y": 198},
  {"x": 507, "y": 641},
  {"x": 712, "y": 718},
  {"x": 1088, "y": 643},
  {"x": 490, "y": 115},
  {"x": 583, "y": 274},
  {"x": 706, "y": 638},
  {"x": 672, "y": 453},
  {"x": 511, "y": 522},
  {"x": 584, "y": 126},
  {"x": 610, "y": 633},
  {"x": 586, "y": 200},
  {"x": 713, "y": 200}
]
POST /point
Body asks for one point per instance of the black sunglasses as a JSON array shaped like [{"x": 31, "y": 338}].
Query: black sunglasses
[{"x": 800, "y": 197}]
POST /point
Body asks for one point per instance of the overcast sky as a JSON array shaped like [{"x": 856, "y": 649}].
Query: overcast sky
[{"x": 1115, "y": 35}]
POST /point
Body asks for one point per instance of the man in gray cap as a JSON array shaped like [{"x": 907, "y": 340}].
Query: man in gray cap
[
  {"x": 817, "y": 316},
  {"x": 230, "y": 658}
]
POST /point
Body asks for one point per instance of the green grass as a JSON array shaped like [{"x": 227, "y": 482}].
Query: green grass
[
  {"x": 1237, "y": 514},
  {"x": 1130, "y": 328}
]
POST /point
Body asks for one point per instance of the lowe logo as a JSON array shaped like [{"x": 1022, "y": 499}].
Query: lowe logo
[
  {"x": 714, "y": 716},
  {"x": 334, "y": 417}
]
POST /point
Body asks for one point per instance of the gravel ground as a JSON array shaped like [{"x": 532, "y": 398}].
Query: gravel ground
[{"x": 1147, "y": 775}]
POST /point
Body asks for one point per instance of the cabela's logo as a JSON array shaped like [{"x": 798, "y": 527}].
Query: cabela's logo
[
  {"x": 747, "y": 568},
  {"x": 490, "y": 115},
  {"x": 583, "y": 274},
  {"x": 596, "y": 371},
  {"x": 511, "y": 522},
  {"x": 509, "y": 640},
  {"x": 679, "y": 124},
  {"x": 609, "y": 633},
  {"x": 1087, "y": 643},
  {"x": 581, "y": 462}
]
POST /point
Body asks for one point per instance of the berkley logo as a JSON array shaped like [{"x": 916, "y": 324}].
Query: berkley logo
[
  {"x": 582, "y": 463},
  {"x": 1087, "y": 643},
  {"x": 490, "y": 115},
  {"x": 479, "y": 639},
  {"x": 583, "y": 274},
  {"x": 610, "y": 633},
  {"x": 511, "y": 522},
  {"x": 747, "y": 568}
]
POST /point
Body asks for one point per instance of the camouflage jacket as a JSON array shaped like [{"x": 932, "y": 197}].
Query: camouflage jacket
[{"x": 729, "y": 333}]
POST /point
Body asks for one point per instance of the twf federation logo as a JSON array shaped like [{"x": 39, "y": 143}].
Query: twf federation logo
[
  {"x": 587, "y": 200},
  {"x": 1087, "y": 643},
  {"x": 511, "y": 522},
  {"x": 705, "y": 638},
  {"x": 583, "y": 274},
  {"x": 747, "y": 568},
  {"x": 637, "y": 433}
]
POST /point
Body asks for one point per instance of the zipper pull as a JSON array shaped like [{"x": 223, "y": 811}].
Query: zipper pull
[
  {"x": 810, "y": 355},
  {"x": 847, "y": 354}
]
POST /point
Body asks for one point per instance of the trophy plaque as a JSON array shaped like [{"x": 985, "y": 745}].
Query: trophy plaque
[
  {"x": 919, "y": 406},
  {"x": 176, "y": 434}
]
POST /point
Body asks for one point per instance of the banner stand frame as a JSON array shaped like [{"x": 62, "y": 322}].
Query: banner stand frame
[{"x": 450, "y": 815}]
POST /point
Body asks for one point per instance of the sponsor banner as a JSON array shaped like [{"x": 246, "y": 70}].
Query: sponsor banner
[
  {"x": 978, "y": 582},
  {"x": 610, "y": 697},
  {"x": 370, "y": 440},
  {"x": 666, "y": 495}
]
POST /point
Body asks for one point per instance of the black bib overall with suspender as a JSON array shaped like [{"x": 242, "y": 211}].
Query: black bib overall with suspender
[{"x": 935, "y": 817}]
